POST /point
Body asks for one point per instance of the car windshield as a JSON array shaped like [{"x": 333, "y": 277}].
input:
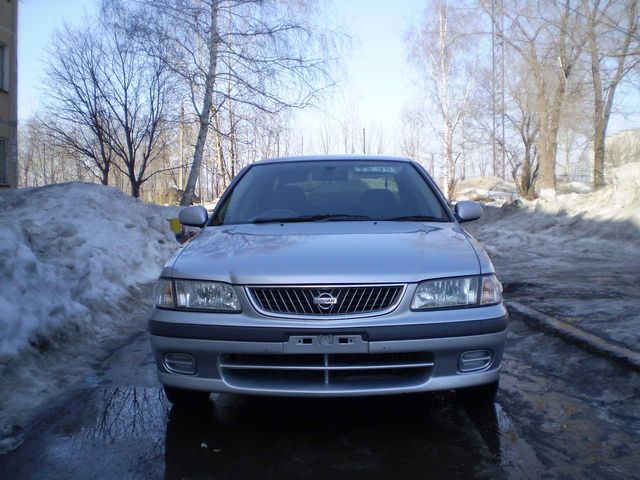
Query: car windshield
[{"x": 313, "y": 191}]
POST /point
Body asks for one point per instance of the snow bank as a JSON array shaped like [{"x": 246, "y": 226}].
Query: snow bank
[
  {"x": 69, "y": 254},
  {"x": 611, "y": 213},
  {"x": 77, "y": 262},
  {"x": 488, "y": 190},
  {"x": 573, "y": 187},
  {"x": 621, "y": 148},
  {"x": 574, "y": 257}
]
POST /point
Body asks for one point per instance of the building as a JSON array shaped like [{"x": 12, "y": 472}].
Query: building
[{"x": 8, "y": 93}]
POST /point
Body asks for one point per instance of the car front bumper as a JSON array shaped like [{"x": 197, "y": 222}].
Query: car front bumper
[{"x": 247, "y": 354}]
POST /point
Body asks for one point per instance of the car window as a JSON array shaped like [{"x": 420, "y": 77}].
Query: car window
[{"x": 322, "y": 190}]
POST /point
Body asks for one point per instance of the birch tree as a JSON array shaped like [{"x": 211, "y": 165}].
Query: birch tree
[
  {"x": 264, "y": 54},
  {"x": 439, "y": 47}
]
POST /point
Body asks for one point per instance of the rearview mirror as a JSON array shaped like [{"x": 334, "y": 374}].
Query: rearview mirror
[
  {"x": 195, "y": 216},
  {"x": 467, "y": 211},
  {"x": 329, "y": 174}
]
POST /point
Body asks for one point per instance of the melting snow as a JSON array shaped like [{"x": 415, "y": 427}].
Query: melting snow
[
  {"x": 575, "y": 257},
  {"x": 77, "y": 261}
]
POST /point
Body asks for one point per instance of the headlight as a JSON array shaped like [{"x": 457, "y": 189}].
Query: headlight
[
  {"x": 202, "y": 295},
  {"x": 457, "y": 292},
  {"x": 196, "y": 295}
]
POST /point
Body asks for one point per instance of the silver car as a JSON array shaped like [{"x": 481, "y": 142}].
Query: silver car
[{"x": 329, "y": 276}]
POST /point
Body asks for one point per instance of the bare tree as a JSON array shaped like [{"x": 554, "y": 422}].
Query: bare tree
[
  {"x": 439, "y": 47},
  {"x": 576, "y": 128},
  {"x": 612, "y": 28},
  {"x": 326, "y": 138},
  {"x": 261, "y": 53},
  {"x": 108, "y": 98},
  {"x": 76, "y": 109},
  {"x": 546, "y": 34},
  {"x": 136, "y": 89},
  {"x": 412, "y": 135},
  {"x": 43, "y": 161},
  {"x": 524, "y": 165}
]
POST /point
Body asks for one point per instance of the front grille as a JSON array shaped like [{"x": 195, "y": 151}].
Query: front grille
[
  {"x": 326, "y": 300},
  {"x": 323, "y": 372}
]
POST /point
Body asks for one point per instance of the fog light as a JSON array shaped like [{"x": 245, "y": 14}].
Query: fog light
[
  {"x": 474, "y": 360},
  {"x": 182, "y": 363}
]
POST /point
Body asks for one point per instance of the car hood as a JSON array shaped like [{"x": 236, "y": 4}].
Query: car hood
[{"x": 326, "y": 252}]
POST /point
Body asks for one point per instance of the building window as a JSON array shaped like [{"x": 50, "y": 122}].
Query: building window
[
  {"x": 3, "y": 64},
  {"x": 3, "y": 161}
]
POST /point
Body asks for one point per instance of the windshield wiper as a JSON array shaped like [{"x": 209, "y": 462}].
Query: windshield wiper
[
  {"x": 311, "y": 218},
  {"x": 416, "y": 218}
]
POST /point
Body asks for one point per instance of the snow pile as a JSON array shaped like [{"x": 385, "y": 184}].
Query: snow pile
[
  {"x": 624, "y": 187},
  {"x": 210, "y": 206},
  {"x": 77, "y": 262},
  {"x": 573, "y": 187},
  {"x": 611, "y": 213},
  {"x": 488, "y": 190},
  {"x": 70, "y": 255},
  {"x": 622, "y": 148},
  {"x": 575, "y": 257}
]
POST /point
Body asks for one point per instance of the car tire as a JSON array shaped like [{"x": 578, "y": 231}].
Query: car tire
[
  {"x": 480, "y": 394},
  {"x": 186, "y": 398}
]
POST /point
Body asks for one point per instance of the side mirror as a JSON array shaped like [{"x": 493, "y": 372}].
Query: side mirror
[
  {"x": 195, "y": 216},
  {"x": 467, "y": 211}
]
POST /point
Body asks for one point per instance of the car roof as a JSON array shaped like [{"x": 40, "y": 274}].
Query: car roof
[{"x": 345, "y": 157}]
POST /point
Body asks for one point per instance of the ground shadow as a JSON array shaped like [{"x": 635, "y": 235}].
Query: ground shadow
[
  {"x": 580, "y": 270},
  {"x": 405, "y": 436}
]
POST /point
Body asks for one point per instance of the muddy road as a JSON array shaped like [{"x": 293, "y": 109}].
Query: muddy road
[{"x": 560, "y": 413}]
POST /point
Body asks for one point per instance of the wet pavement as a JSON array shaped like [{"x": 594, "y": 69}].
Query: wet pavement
[
  {"x": 560, "y": 413},
  {"x": 569, "y": 273}
]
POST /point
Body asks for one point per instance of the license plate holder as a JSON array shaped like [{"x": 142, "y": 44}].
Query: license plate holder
[{"x": 326, "y": 343}]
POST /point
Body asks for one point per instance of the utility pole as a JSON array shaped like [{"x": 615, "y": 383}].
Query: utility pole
[
  {"x": 497, "y": 88},
  {"x": 181, "y": 146},
  {"x": 364, "y": 141}
]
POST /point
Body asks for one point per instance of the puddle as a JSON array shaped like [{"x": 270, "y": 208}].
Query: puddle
[{"x": 552, "y": 419}]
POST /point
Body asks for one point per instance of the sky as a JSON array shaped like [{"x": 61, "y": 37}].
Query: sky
[
  {"x": 376, "y": 74},
  {"x": 377, "y": 79},
  {"x": 377, "y": 68},
  {"x": 37, "y": 21}
]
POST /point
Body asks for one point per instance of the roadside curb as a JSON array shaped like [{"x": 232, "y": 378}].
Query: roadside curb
[{"x": 576, "y": 336}]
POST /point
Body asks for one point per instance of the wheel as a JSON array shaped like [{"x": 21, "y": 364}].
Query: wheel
[
  {"x": 186, "y": 398},
  {"x": 480, "y": 394}
]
